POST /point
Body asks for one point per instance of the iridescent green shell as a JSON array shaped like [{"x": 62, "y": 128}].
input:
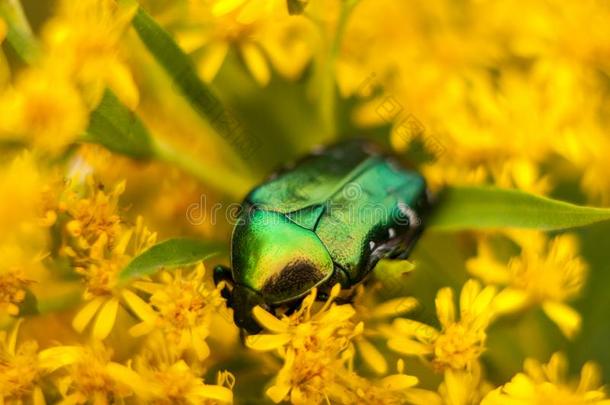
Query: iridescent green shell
[{"x": 330, "y": 217}]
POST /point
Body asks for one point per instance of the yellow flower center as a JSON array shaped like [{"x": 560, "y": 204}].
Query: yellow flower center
[
  {"x": 182, "y": 306},
  {"x": 18, "y": 373},
  {"x": 89, "y": 376},
  {"x": 458, "y": 346},
  {"x": 548, "y": 279},
  {"x": 101, "y": 279},
  {"x": 176, "y": 385},
  {"x": 12, "y": 290}
]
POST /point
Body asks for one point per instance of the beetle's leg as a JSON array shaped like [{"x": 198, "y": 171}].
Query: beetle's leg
[
  {"x": 291, "y": 308},
  {"x": 346, "y": 300},
  {"x": 322, "y": 296},
  {"x": 223, "y": 273},
  {"x": 338, "y": 276},
  {"x": 243, "y": 300}
]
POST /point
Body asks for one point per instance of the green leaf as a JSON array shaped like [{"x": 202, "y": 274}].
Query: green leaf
[
  {"x": 119, "y": 129},
  {"x": 168, "y": 254},
  {"x": 460, "y": 208},
  {"x": 29, "y": 305},
  {"x": 19, "y": 34},
  {"x": 181, "y": 70}
]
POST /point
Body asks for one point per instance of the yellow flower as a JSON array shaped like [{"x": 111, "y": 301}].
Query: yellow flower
[
  {"x": 173, "y": 381},
  {"x": 99, "y": 245},
  {"x": 94, "y": 218},
  {"x": 25, "y": 214},
  {"x": 463, "y": 387},
  {"x": 180, "y": 307},
  {"x": 547, "y": 384},
  {"x": 27, "y": 194},
  {"x": 459, "y": 387},
  {"x": 547, "y": 273},
  {"x": 13, "y": 285},
  {"x": 459, "y": 343},
  {"x": 318, "y": 355},
  {"x": 21, "y": 267},
  {"x": 314, "y": 349},
  {"x": 262, "y": 32},
  {"x": 86, "y": 373},
  {"x": 43, "y": 108},
  {"x": 101, "y": 277},
  {"x": 82, "y": 40},
  {"x": 20, "y": 370},
  {"x": 589, "y": 157},
  {"x": 376, "y": 314}
]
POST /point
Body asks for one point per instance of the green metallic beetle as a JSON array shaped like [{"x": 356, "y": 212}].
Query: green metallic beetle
[{"x": 327, "y": 220}]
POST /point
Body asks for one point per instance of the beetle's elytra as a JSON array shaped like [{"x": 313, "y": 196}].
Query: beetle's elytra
[{"x": 329, "y": 219}]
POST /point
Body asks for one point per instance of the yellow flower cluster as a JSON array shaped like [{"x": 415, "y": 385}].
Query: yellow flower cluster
[
  {"x": 48, "y": 104},
  {"x": 318, "y": 352}
]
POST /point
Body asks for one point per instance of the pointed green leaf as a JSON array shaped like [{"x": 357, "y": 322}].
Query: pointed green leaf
[
  {"x": 19, "y": 34},
  {"x": 460, "y": 208},
  {"x": 119, "y": 129},
  {"x": 168, "y": 254},
  {"x": 182, "y": 71}
]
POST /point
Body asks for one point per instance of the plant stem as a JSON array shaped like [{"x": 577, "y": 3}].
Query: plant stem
[
  {"x": 226, "y": 181},
  {"x": 327, "y": 66}
]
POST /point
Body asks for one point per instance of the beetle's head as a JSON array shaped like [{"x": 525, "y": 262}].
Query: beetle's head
[{"x": 275, "y": 261}]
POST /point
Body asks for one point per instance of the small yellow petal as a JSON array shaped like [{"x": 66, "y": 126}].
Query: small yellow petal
[
  {"x": 268, "y": 321},
  {"x": 105, "y": 319},
  {"x": 445, "y": 307},
  {"x": 141, "y": 308},
  {"x": 590, "y": 376},
  {"x": 338, "y": 313},
  {"x": 251, "y": 11},
  {"x": 398, "y": 382},
  {"x": 482, "y": 302},
  {"x": 265, "y": 342},
  {"x": 56, "y": 357},
  {"x": 372, "y": 357},
  {"x": 201, "y": 347},
  {"x": 141, "y": 329},
  {"x": 409, "y": 347},
  {"x": 458, "y": 385},
  {"x": 469, "y": 294},
  {"x": 394, "y": 307},
  {"x": 84, "y": 316},
  {"x": 212, "y": 60},
  {"x": 278, "y": 392},
  {"x": 12, "y": 337},
  {"x": 411, "y": 328},
  {"x": 130, "y": 378},
  {"x": 38, "y": 396},
  {"x": 509, "y": 300},
  {"x": 215, "y": 392},
  {"x": 121, "y": 246},
  {"x": 256, "y": 63},
  {"x": 564, "y": 316}
]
